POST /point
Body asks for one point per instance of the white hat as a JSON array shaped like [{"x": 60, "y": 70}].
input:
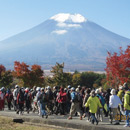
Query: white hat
[
  {"x": 113, "y": 91},
  {"x": 48, "y": 87},
  {"x": 97, "y": 91},
  {"x": 92, "y": 93},
  {"x": 77, "y": 89},
  {"x": 27, "y": 89},
  {"x": 73, "y": 89},
  {"x": 120, "y": 87},
  {"x": 68, "y": 86},
  {"x": 16, "y": 86},
  {"x": 38, "y": 89},
  {"x": 42, "y": 89}
]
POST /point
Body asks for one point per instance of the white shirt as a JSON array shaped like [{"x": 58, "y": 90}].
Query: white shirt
[
  {"x": 15, "y": 93},
  {"x": 114, "y": 101}
]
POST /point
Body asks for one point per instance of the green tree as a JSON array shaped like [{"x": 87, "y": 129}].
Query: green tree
[
  {"x": 76, "y": 79},
  {"x": 88, "y": 79},
  {"x": 6, "y": 79},
  {"x": 60, "y": 78}
]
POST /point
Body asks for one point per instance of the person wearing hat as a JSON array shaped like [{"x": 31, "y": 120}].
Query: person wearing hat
[
  {"x": 120, "y": 92},
  {"x": 75, "y": 106},
  {"x": 38, "y": 100},
  {"x": 68, "y": 98},
  {"x": 99, "y": 113},
  {"x": 114, "y": 102},
  {"x": 93, "y": 103},
  {"x": 86, "y": 110},
  {"x": 43, "y": 103},
  {"x": 127, "y": 104},
  {"x": 28, "y": 99},
  {"x": 15, "y": 93},
  {"x": 9, "y": 98},
  {"x": 20, "y": 102}
]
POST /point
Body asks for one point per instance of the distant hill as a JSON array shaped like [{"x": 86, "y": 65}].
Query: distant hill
[{"x": 72, "y": 39}]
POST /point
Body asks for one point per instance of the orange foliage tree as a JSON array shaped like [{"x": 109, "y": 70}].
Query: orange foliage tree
[
  {"x": 118, "y": 67},
  {"x": 30, "y": 75}
]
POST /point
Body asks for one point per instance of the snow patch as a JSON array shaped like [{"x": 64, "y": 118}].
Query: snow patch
[
  {"x": 60, "y": 32},
  {"x": 68, "y": 25},
  {"x": 63, "y": 17}
]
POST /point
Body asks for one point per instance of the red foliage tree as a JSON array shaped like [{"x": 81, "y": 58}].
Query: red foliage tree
[
  {"x": 29, "y": 75},
  {"x": 118, "y": 67},
  {"x": 21, "y": 69}
]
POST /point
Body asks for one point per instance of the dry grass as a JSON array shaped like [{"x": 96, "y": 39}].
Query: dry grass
[{"x": 7, "y": 124}]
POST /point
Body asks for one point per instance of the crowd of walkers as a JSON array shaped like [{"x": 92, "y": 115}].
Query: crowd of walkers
[{"x": 92, "y": 104}]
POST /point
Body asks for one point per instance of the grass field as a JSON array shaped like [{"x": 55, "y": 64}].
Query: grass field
[{"x": 7, "y": 123}]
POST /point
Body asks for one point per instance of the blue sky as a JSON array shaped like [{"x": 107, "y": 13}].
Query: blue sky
[{"x": 19, "y": 15}]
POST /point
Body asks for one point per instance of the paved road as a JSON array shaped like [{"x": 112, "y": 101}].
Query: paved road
[{"x": 62, "y": 121}]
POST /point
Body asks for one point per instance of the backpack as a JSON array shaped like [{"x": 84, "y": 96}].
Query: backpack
[
  {"x": 77, "y": 97},
  {"x": 50, "y": 95},
  {"x": 102, "y": 100},
  {"x": 63, "y": 97},
  {"x": 43, "y": 98},
  {"x": 10, "y": 96},
  {"x": 21, "y": 97},
  {"x": 27, "y": 97}
]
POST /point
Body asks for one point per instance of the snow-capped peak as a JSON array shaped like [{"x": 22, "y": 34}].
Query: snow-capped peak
[{"x": 63, "y": 17}]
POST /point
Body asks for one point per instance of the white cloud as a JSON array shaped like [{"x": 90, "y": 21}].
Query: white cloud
[{"x": 60, "y": 32}]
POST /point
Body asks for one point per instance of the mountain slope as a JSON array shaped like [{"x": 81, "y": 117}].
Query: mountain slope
[{"x": 72, "y": 39}]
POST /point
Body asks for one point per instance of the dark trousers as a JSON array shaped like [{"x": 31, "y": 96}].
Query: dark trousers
[
  {"x": 21, "y": 107},
  {"x": 9, "y": 105},
  {"x": 28, "y": 105},
  {"x": 94, "y": 119},
  {"x": 62, "y": 108}
]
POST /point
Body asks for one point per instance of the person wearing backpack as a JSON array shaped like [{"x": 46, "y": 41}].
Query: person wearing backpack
[
  {"x": 38, "y": 95},
  {"x": 86, "y": 110},
  {"x": 43, "y": 103},
  {"x": 9, "y": 98},
  {"x": 50, "y": 100},
  {"x": 15, "y": 94},
  {"x": 20, "y": 102},
  {"x": 99, "y": 113},
  {"x": 62, "y": 99},
  {"x": 28, "y": 98},
  {"x": 75, "y": 105},
  {"x": 68, "y": 98}
]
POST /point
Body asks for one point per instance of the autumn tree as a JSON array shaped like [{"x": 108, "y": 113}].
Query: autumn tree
[
  {"x": 29, "y": 75},
  {"x": 118, "y": 67},
  {"x": 36, "y": 75}
]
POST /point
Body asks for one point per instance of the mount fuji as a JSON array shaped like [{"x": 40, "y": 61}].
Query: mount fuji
[{"x": 69, "y": 38}]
